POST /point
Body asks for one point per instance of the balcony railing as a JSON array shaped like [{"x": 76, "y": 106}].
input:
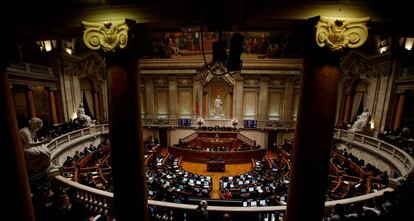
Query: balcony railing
[{"x": 102, "y": 201}]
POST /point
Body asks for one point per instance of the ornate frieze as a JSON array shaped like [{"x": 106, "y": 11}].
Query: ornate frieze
[
  {"x": 277, "y": 82},
  {"x": 107, "y": 35},
  {"x": 251, "y": 81},
  {"x": 357, "y": 65},
  {"x": 92, "y": 65},
  {"x": 161, "y": 122},
  {"x": 382, "y": 68},
  {"x": 160, "y": 81},
  {"x": 184, "y": 81},
  {"x": 70, "y": 68},
  {"x": 265, "y": 78},
  {"x": 274, "y": 123},
  {"x": 341, "y": 33}
]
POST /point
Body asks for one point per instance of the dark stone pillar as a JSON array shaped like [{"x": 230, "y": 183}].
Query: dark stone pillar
[
  {"x": 18, "y": 203},
  {"x": 127, "y": 147},
  {"x": 314, "y": 131}
]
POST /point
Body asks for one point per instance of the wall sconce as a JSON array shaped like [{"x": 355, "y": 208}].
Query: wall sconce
[
  {"x": 371, "y": 124},
  {"x": 47, "y": 45},
  {"x": 68, "y": 46},
  {"x": 382, "y": 43},
  {"x": 409, "y": 43}
]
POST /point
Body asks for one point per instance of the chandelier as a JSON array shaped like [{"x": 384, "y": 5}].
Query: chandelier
[{"x": 223, "y": 64}]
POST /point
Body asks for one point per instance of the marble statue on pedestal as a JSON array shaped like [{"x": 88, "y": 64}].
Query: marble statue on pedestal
[
  {"x": 37, "y": 157},
  {"x": 217, "y": 106},
  {"x": 84, "y": 119},
  {"x": 362, "y": 122}
]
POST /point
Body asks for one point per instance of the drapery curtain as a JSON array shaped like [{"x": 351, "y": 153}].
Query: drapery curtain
[
  {"x": 360, "y": 91},
  {"x": 87, "y": 94}
]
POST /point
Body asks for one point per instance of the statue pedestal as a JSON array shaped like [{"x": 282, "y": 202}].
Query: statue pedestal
[{"x": 217, "y": 121}]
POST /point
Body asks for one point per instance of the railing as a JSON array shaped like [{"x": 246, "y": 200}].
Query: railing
[
  {"x": 399, "y": 159},
  {"x": 102, "y": 201},
  {"x": 60, "y": 144},
  {"x": 189, "y": 137},
  {"x": 245, "y": 139},
  {"x": 31, "y": 68}
]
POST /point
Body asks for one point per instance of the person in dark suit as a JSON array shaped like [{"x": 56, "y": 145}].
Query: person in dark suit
[{"x": 201, "y": 213}]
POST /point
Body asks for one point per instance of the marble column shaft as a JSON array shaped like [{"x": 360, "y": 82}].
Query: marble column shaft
[
  {"x": 348, "y": 104},
  {"x": 149, "y": 97},
  {"x": 263, "y": 98},
  {"x": 238, "y": 98},
  {"x": 97, "y": 109},
  {"x": 172, "y": 97},
  {"x": 52, "y": 106},
  {"x": 31, "y": 109},
  {"x": 400, "y": 109},
  {"x": 288, "y": 99}
]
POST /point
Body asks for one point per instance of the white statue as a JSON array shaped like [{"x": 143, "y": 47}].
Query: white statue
[
  {"x": 84, "y": 119},
  {"x": 362, "y": 122},
  {"x": 217, "y": 105},
  {"x": 37, "y": 157}
]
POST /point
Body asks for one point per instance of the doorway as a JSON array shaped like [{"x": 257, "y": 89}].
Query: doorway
[
  {"x": 272, "y": 140},
  {"x": 163, "y": 137}
]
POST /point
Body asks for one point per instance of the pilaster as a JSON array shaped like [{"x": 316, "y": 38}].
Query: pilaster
[
  {"x": 149, "y": 97},
  {"x": 172, "y": 97},
  {"x": 263, "y": 98},
  {"x": 238, "y": 97}
]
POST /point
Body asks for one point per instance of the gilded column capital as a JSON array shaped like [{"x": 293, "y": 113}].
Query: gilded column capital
[
  {"x": 107, "y": 35},
  {"x": 341, "y": 33}
]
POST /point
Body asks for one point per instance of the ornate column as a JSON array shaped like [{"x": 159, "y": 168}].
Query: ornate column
[
  {"x": 172, "y": 97},
  {"x": 197, "y": 97},
  {"x": 14, "y": 172},
  {"x": 288, "y": 99},
  {"x": 52, "y": 106},
  {"x": 238, "y": 97},
  {"x": 96, "y": 106},
  {"x": 206, "y": 106},
  {"x": 229, "y": 105},
  {"x": 316, "y": 115},
  {"x": 347, "y": 111},
  {"x": 400, "y": 108},
  {"x": 149, "y": 97},
  {"x": 125, "y": 125},
  {"x": 263, "y": 98},
  {"x": 31, "y": 109}
]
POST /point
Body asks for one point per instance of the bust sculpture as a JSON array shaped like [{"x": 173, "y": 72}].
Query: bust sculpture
[
  {"x": 37, "y": 157},
  {"x": 362, "y": 122}
]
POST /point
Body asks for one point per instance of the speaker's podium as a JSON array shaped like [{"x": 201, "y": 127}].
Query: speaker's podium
[{"x": 216, "y": 166}]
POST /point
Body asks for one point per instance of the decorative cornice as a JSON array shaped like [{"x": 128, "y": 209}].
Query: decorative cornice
[
  {"x": 93, "y": 65},
  {"x": 341, "y": 33},
  {"x": 107, "y": 35}
]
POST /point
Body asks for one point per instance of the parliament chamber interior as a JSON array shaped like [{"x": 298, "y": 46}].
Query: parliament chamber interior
[{"x": 208, "y": 110}]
